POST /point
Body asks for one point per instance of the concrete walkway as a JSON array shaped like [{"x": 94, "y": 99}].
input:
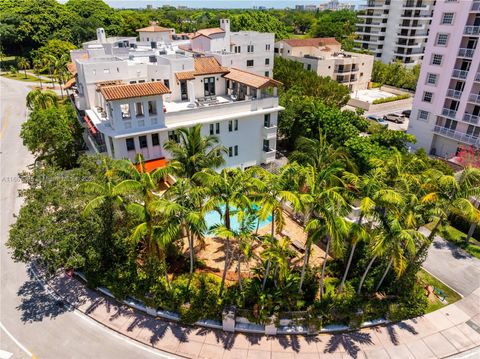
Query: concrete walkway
[
  {"x": 452, "y": 265},
  {"x": 449, "y": 331}
]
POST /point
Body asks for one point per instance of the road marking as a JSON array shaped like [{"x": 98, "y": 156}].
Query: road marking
[
  {"x": 5, "y": 355},
  {"x": 94, "y": 323},
  {"x": 5, "y": 122},
  {"x": 16, "y": 341}
]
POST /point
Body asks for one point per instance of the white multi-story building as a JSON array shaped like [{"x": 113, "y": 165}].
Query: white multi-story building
[
  {"x": 325, "y": 57},
  {"x": 134, "y": 95},
  {"x": 247, "y": 50},
  {"x": 395, "y": 29},
  {"x": 446, "y": 108}
]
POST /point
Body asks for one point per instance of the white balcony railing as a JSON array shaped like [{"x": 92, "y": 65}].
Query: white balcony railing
[
  {"x": 457, "y": 135},
  {"x": 460, "y": 74},
  {"x": 452, "y": 93},
  {"x": 475, "y": 98},
  {"x": 468, "y": 117},
  {"x": 471, "y": 30},
  {"x": 449, "y": 113},
  {"x": 268, "y": 155},
  {"x": 464, "y": 52},
  {"x": 270, "y": 133}
]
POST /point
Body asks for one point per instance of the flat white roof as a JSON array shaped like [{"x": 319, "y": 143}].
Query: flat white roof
[{"x": 370, "y": 95}]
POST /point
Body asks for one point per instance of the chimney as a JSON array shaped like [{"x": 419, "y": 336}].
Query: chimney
[
  {"x": 101, "y": 38},
  {"x": 225, "y": 25}
]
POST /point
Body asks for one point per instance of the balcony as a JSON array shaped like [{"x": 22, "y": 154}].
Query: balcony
[
  {"x": 373, "y": 16},
  {"x": 369, "y": 33},
  {"x": 372, "y": 24},
  {"x": 408, "y": 46},
  {"x": 477, "y": 77},
  {"x": 460, "y": 74},
  {"x": 468, "y": 117},
  {"x": 412, "y": 26},
  {"x": 467, "y": 53},
  {"x": 474, "y": 98},
  {"x": 270, "y": 133},
  {"x": 376, "y": 7},
  {"x": 452, "y": 93},
  {"x": 416, "y": 17},
  {"x": 447, "y": 112},
  {"x": 416, "y": 7},
  {"x": 268, "y": 155},
  {"x": 471, "y": 30},
  {"x": 422, "y": 35},
  {"x": 475, "y": 6},
  {"x": 457, "y": 135}
]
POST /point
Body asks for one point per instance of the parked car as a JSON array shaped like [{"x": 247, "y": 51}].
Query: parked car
[
  {"x": 378, "y": 120},
  {"x": 394, "y": 117},
  {"x": 407, "y": 113}
]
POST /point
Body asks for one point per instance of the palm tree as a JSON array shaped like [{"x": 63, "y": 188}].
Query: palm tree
[
  {"x": 271, "y": 194},
  {"x": 451, "y": 195},
  {"x": 48, "y": 62},
  {"x": 182, "y": 206},
  {"x": 38, "y": 99},
  {"x": 37, "y": 68},
  {"x": 194, "y": 152},
  {"x": 23, "y": 64}
]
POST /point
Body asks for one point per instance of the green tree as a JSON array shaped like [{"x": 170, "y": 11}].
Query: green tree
[
  {"x": 41, "y": 100},
  {"x": 55, "y": 47},
  {"x": 23, "y": 64}
]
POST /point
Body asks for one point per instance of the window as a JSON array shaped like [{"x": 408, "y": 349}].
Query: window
[
  {"x": 442, "y": 40},
  {"x": 130, "y": 144},
  {"x": 138, "y": 109},
  {"x": 249, "y": 63},
  {"x": 166, "y": 83},
  {"x": 212, "y": 129},
  {"x": 249, "y": 48},
  {"x": 209, "y": 86},
  {"x": 423, "y": 115},
  {"x": 266, "y": 120},
  {"x": 266, "y": 145},
  {"x": 143, "y": 141},
  {"x": 152, "y": 107},
  {"x": 237, "y": 49},
  {"x": 173, "y": 136},
  {"x": 267, "y": 61},
  {"x": 232, "y": 125},
  {"x": 267, "y": 47},
  {"x": 427, "y": 96},
  {"x": 437, "y": 59},
  {"x": 432, "y": 79},
  {"x": 309, "y": 67},
  {"x": 125, "y": 107},
  {"x": 235, "y": 150},
  {"x": 235, "y": 125},
  {"x": 215, "y": 128},
  {"x": 447, "y": 18},
  {"x": 230, "y": 152},
  {"x": 267, "y": 74},
  {"x": 155, "y": 139}
]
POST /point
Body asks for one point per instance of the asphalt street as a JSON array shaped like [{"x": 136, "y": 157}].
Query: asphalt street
[{"x": 32, "y": 323}]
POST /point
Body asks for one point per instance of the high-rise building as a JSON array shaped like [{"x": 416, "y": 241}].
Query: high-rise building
[
  {"x": 446, "y": 108},
  {"x": 395, "y": 29}
]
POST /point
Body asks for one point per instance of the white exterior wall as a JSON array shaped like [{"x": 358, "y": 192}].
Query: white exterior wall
[{"x": 159, "y": 37}]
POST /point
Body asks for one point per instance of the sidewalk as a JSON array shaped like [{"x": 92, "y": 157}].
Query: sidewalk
[{"x": 448, "y": 331}]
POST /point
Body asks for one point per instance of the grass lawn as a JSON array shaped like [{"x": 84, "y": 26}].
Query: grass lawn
[
  {"x": 21, "y": 77},
  {"x": 434, "y": 302},
  {"x": 457, "y": 237}
]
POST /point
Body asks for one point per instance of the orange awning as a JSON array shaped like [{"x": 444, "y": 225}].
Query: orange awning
[
  {"x": 151, "y": 165},
  {"x": 90, "y": 125},
  {"x": 69, "y": 83}
]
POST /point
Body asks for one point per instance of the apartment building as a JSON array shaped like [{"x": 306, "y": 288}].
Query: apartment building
[
  {"x": 395, "y": 30},
  {"x": 247, "y": 50},
  {"x": 446, "y": 107},
  {"x": 325, "y": 57},
  {"x": 134, "y": 97}
]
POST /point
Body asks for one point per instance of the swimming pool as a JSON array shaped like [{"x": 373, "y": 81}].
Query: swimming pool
[{"x": 213, "y": 217}]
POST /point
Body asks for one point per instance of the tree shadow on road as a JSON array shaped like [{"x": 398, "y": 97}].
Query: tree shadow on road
[
  {"x": 37, "y": 304},
  {"x": 349, "y": 341},
  {"x": 457, "y": 252}
]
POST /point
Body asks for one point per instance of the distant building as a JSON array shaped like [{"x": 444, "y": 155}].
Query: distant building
[
  {"x": 335, "y": 5},
  {"x": 325, "y": 57},
  {"x": 395, "y": 29},
  {"x": 300, "y": 7},
  {"x": 446, "y": 107},
  {"x": 149, "y": 7}
]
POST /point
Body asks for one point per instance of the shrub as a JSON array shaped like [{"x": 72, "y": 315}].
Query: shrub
[
  {"x": 411, "y": 304},
  {"x": 390, "y": 99}
]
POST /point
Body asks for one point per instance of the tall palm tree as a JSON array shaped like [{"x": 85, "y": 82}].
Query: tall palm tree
[
  {"x": 182, "y": 206},
  {"x": 38, "y": 99},
  {"x": 194, "y": 152},
  {"x": 23, "y": 64},
  {"x": 271, "y": 194},
  {"x": 37, "y": 68},
  {"x": 49, "y": 62}
]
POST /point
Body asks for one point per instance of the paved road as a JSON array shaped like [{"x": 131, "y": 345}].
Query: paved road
[
  {"x": 453, "y": 266},
  {"x": 31, "y": 322}
]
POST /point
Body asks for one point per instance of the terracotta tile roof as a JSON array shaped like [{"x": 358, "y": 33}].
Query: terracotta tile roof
[
  {"x": 203, "y": 66},
  {"x": 208, "y": 32},
  {"x": 317, "y": 42},
  {"x": 108, "y": 83},
  {"x": 124, "y": 91},
  {"x": 250, "y": 79},
  {"x": 154, "y": 28},
  {"x": 69, "y": 83}
]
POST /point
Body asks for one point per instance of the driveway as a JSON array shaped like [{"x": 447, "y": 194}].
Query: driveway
[{"x": 453, "y": 266}]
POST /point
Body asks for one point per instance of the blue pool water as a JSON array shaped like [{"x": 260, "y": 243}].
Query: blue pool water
[{"x": 213, "y": 217}]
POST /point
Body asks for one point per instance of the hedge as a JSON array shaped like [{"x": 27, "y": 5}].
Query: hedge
[{"x": 390, "y": 99}]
